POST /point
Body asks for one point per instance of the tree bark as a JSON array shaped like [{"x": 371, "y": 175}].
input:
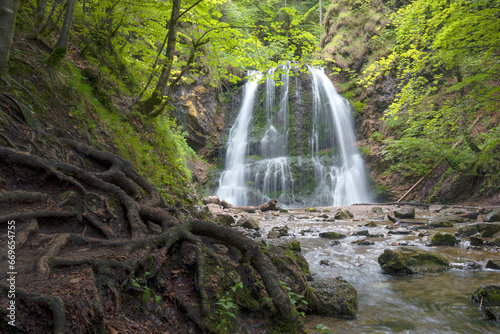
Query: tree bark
[
  {"x": 268, "y": 206},
  {"x": 61, "y": 47},
  {"x": 8, "y": 13},
  {"x": 41, "y": 5}
]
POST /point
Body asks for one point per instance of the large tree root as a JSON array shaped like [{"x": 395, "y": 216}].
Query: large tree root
[{"x": 106, "y": 190}]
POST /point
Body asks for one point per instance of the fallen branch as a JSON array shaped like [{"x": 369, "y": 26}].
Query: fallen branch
[{"x": 269, "y": 206}]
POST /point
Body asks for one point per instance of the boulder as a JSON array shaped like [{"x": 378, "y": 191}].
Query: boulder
[
  {"x": 248, "y": 222},
  {"x": 493, "y": 216},
  {"x": 476, "y": 240},
  {"x": 211, "y": 200},
  {"x": 337, "y": 298},
  {"x": 444, "y": 240},
  {"x": 343, "y": 214},
  {"x": 224, "y": 219},
  {"x": 493, "y": 242},
  {"x": 332, "y": 235},
  {"x": 311, "y": 210},
  {"x": 487, "y": 295},
  {"x": 405, "y": 213},
  {"x": 408, "y": 260},
  {"x": 487, "y": 230},
  {"x": 493, "y": 264},
  {"x": 278, "y": 232}
]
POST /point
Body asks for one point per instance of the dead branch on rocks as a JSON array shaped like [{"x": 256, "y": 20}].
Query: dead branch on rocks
[{"x": 268, "y": 206}]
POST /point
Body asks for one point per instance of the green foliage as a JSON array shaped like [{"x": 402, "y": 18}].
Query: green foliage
[
  {"x": 323, "y": 329},
  {"x": 226, "y": 309},
  {"x": 147, "y": 293},
  {"x": 446, "y": 60}
]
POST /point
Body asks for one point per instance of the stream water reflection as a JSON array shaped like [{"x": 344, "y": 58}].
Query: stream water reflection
[{"x": 432, "y": 303}]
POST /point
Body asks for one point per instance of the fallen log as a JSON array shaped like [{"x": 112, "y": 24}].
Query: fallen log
[
  {"x": 268, "y": 206},
  {"x": 398, "y": 221}
]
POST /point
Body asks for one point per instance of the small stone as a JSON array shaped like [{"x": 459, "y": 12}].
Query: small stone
[
  {"x": 343, "y": 214},
  {"x": 311, "y": 210},
  {"x": 363, "y": 232},
  {"x": 325, "y": 263},
  {"x": 377, "y": 209},
  {"x": 334, "y": 243},
  {"x": 405, "y": 213},
  {"x": 371, "y": 224}
]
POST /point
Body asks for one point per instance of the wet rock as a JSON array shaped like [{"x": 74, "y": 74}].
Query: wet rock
[
  {"x": 487, "y": 230},
  {"x": 343, "y": 214},
  {"x": 324, "y": 216},
  {"x": 283, "y": 211},
  {"x": 493, "y": 216},
  {"x": 378, "y": 235},
  {"x": 363, "y": 232},
  {"x": 325, "y": 263},
  {"x": 495, "y": 242},
  {"x": 444, "y": 240},
  {"x": 492, "y": 313},
  {"x": 337, "y": 298},
  {"x": 331, "y": 219},
  {"x": 405, "y": 213},
  {"x": 408, "y": 260},
  {"x": 401, "y": 232},
  {"x": 334, "y": 243},
  {"x": 332, "y": 235},
  {"x": 493, "y": 264},
  {"x": 476, "y": 239},
  {"x": 363, "y": 242},
  {"x": 311, "y": 210},
  {"x": 377, "y": 209},
  {"x": 278, "y": 232},
  {"x": 371, "y": 224},
  {"x": 441, "y": 222},
  {"x": 487, "y": 295},
  {"x": 248, "y": 222},
  {"x": 225, "y": 219},
  {"x": 211, "y": 200}
]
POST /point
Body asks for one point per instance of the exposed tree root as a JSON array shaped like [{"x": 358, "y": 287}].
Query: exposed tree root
[{"x": 127, "y": 219}]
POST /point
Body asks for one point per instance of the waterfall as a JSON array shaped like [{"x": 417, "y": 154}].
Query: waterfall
[{"x": 296, "y": 144}]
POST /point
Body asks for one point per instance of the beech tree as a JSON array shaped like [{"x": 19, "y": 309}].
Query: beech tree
[{"x": 447, "y": 62}]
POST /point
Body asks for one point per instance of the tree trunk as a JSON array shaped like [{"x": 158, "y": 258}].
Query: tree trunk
[
  {"x": 8, "y": 13},
  {"x": 61, "y": 47},
  {"x": 268, "y": 206},
  {"x": 41, "y": 5},
  {"x": 157, "y": 96}
]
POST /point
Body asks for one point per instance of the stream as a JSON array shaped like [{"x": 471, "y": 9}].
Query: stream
[{"x": 431, "y": 303}]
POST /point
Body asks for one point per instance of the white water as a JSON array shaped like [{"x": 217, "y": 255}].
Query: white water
[
  {"x": 331, "y": 173},
  {"x": 232, "y": 183}
]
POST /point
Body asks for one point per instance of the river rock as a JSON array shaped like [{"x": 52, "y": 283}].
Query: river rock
[
  {"x": 311, "y": 210},
  {"x": 343, "y": 214},
  {"x": 408, "y": 260},
  {"x": 492, "y": 313},
  {"x": 444, "y": 240},
  {"x": 495, "y": 242},
  {"x": 488, "y": 295},
  {"x": 248, "y": 222},
  {"x": 363, "y": 232},
  {"x": 493, "y": 264},
  {"x": 224, "y": 219},
  {"x": 405, "y": 213},
  {"x": 337, "y": 298},
  {"x": 371, "y": 224},
  {"x": 487, "y": 230},
  {"x": 377, "y": 209},
  {"x": 493, "y": 216},
  {"x": 211, "y": 200},
  {"x": 278, "y": 232},
  {"x": 332, "y": 235},
  {"x": 476, "y": 239}
]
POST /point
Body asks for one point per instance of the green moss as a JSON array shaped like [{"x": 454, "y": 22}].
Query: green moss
[
  {"x": 332, "y": 235},
  {"x": 411, "y": 261},
  {"x": 56, "y": 56},
  {"x": 444, "y": 240}
]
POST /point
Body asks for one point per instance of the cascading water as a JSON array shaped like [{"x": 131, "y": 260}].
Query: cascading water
[{"x": 296, "y": 144}]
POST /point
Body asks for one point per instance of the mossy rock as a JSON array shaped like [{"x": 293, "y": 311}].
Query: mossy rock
[
  {"x": 311, "y": 210},
  {"x": 444, "y": 240},
  {"x": 492, "y": 313},
  {"x": 225, "y": 220},
  {"x": 493, "y": 216},
  {"x": 476, "y": 239},
  {"x": 332, "y": 235},
  {"x": 487, "y": 230},
  {"x": 407, "y": 260},
  {"x": 440, "y": 223},
  {"x": 343, "y": 214},
  {"x": 405, "y": 213},
  {"x": 488, "y": 295},
  {"x": 337, "y": 298},
  {"x": 248, "y": 222},
  {"x": 371, "y": 224},
  {"x": 494, "y": 242}
]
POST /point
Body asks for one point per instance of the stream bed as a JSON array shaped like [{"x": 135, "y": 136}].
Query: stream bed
[{"x": 431, "y": 303}]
